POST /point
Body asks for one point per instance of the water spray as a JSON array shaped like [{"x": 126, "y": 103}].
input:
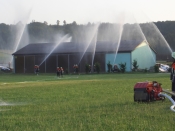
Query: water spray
[
  {"x": 95, "y": 41},
  {"x": 63, "y": 39},
  {"x": 121, "y": 27},
  {"x": 152, "y": 91},
  {"x": 91, "y": 41},
  {"x": 169, "y": 48},
  {"x": 19, "y": 35},
  {"x": 144, "y": 38}
]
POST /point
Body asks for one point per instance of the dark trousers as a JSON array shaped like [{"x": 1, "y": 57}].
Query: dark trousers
[
  {"x": 62, "y": 73},
  {"x": 173, "y": 90},
  {"x": 58, "y": 73}
]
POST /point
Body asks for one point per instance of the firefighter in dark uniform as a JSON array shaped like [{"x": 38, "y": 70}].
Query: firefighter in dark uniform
[
  {"x": 58, "y": 71},
  {"x": 36, "y": 67},
  {"x": 77, "y": 70},
  {"x": 74, "y": 67},
  {"x": 94, "y": 69},
  {"x": 61, "y": 71},
  {"x": 172, "y": 76}
]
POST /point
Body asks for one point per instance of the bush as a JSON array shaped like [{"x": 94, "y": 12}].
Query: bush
[
  {"x": 135, "y": 66},
  {"x": 87, "y": 68},
  {"x": 122, "y": 67},
  {"x": 97, "y": 65},
  {"x": 156, "y": 68},
  {"x": 109, "y": 66},
  {"x": 145, "y": 70}
]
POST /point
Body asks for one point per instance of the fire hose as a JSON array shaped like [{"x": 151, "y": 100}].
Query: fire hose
[{"x": 172, "y": 108}]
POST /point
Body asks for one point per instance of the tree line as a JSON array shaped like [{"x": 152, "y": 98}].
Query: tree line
[{"x": 37, "y": 32}]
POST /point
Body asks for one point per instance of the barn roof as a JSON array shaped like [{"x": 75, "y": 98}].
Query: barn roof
[{"x": 71, "y": 47}]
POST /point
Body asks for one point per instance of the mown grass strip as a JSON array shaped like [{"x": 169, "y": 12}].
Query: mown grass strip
[{"x": 81, "y": 102}]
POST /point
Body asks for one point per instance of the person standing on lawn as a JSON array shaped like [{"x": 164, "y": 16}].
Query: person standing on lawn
[{"x": 172, "y": 76}]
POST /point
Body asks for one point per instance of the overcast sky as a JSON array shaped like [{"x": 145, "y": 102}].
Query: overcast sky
[{"x": 84, "y": 11}]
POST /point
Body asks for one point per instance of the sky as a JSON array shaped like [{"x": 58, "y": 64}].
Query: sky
[{"x": 84, "y": 11}]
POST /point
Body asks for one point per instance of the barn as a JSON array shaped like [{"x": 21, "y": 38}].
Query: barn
[{"x": 49, "y": 56}]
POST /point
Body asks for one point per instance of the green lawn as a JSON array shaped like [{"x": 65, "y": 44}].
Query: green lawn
[{"x": 81, "y": 103}]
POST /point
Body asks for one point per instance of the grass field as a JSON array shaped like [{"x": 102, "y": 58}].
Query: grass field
[{"x": 98, "y": 102}]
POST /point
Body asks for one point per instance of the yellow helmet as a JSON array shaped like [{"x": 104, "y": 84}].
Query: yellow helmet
[{"x": 173, "y": 55}]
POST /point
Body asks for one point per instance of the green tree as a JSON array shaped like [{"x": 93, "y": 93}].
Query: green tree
[
  {"x": 97, "y": 66},
  {"x": 109, "y": 66},
  {"x": 58, "y": 22},
  {"x": 156, "y": 68},
  {"x": 87, "y": 68},
  {"x": 45, "y": 22},
  {"x": 64, "y": 22},
  {"x": 122, "y": 67},
  {"x": 135, "y": 66}
]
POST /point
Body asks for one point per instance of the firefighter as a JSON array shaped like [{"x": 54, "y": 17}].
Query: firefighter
[
  {"x": 94, "y": 68},
  {"x": 74, "y": 67},
  {"x": 61, "y": 71},
  {"x": 36, "y": 67},
  {"x": 172, "y": 76},
  {"x": 58, "y": 71}
]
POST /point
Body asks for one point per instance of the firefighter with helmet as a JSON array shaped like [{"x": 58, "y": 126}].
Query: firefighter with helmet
[
  {"x": 61, "y": 71},
  {"x": 58, "y": 71},
  {"x": 36, "y": 67},
  {"x": 172, "y": 76},
  {"x": 76, "y": 68}
]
